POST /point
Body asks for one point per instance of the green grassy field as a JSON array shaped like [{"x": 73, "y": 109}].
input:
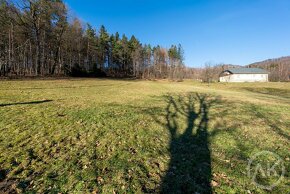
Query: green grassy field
[{"x": 124, "y": 136}]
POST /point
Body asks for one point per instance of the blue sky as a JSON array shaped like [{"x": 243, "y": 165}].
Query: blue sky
[{"x": 218, "y": 31}]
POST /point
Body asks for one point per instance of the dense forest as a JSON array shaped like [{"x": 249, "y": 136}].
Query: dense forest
[{"x": 37, "y": 39}]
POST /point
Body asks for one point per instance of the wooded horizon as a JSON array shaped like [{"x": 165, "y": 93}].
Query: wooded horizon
[{"x": 37, "y": 39}]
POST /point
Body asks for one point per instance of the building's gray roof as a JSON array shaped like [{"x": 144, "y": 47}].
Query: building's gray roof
[{"x": 247, "y": 71}]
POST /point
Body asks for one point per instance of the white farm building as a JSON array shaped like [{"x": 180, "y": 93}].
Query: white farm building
[{"x": 244, "y": 75}]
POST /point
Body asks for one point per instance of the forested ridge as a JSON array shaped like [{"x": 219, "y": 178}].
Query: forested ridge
[
  {"x": 37, "y": 39},
  {"x": 279, "y": 68}
]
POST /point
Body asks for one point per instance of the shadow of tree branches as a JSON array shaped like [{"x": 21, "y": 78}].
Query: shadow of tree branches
[
  {"x": 25, "y": 103},
  {"x": 190, "y": 159}
]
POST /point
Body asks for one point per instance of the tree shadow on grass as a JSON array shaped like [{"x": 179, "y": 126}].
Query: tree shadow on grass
[
  {"x": 265, "y": 117},
  {"x": 277, "y": 92},
  {"x": 25, "y": 103},
  {"x": 190, "y": 165}
]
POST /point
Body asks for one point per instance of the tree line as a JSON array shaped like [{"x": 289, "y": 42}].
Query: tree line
[
  {"x": 37, "y": 39},
  {"x": 279, "y": 68}
]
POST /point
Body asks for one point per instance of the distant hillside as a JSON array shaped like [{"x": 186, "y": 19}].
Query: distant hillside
[
  {"x": 278, "y": 68},
  {"x": 227, "y": 66},
  {"x": 268, "y": 62}
]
